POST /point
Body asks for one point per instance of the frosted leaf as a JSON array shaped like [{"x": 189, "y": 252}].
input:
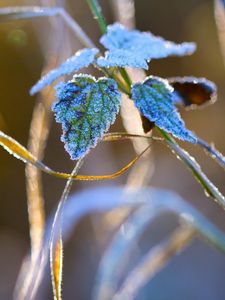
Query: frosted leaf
[
  {"x": 86, "y": 108},
  {"x": 122, "y": 58},
  {"x": 193, "y": 92},
  {"x": 81, "y": 59},
  {"x": 154, "y": 100},
  {"x": 134, "y": 48}
]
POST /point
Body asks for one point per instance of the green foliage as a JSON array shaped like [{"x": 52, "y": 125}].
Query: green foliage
[{"x": 86, "y": 108}]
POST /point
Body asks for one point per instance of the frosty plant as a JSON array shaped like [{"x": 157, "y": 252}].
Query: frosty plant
[{"x": 86, "y": 106}]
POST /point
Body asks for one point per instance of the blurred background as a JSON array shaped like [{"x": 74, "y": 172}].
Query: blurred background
[{"x": 198, "y": 273}]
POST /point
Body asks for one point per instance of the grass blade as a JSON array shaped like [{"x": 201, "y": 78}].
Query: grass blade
[
  {"x": 29, "y": 12},
  {"x": 26, "y": 12},
  {"x": 209, "y": 188},
  {"x": 21, "y": 153},
  {"x": 77, "y": 206},
  {"x": 212, "y": 152},
  {"x": 155, "y": 202},
  {"x": 56, "y": 244},
  {"x": 153, "y": 262},
  {"x": 57, "y": 266}
]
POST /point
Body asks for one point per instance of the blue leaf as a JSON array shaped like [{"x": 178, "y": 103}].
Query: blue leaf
[
  {"x": 86, "y": 107},
  {"x": 135, "y": 48},
  {"x": 154, "y": 100},
  {"x": 122, "y": 58},
  {"x": 81, "y": 59}
]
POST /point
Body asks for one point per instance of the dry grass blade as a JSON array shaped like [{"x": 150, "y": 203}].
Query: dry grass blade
[
  {"x": 28, "y": 12},
  {"x": 156, "y": 202},
  {"x": 57, "y": 266},
  {"x": 117, "y": 136},
  {"x": 39, "y": 130},
  {"x": 56, "y": 245},
  {"x": 15, "y": 149},
  {"x": 124, "y": 11},
  {"x": 20, "y": 152},
  {"x": 38, "y": 134},
  {"x": 153, "y": 262},
  {"x": 115, "y": 258},
  {"x": 220, "y": 21}
]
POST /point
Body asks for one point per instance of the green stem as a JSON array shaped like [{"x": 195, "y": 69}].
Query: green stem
[
  {"x": 121, "y": 85},
  {"x": 125, "y": 76},
  {"x": 97, "y": 13},
  {"x": 189, "y": 161}
]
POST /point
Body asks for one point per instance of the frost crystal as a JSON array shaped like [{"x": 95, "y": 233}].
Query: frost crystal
[
  {"x": 135, "y": 48},
  {"x": 86, "y": 107},
  {"x": 193, "y": 92},
  {"x": 81, "y": 59},
  {"x": 154, "y": 100}
]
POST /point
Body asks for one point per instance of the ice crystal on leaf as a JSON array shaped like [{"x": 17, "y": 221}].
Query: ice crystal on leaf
[
  {"x": 134, "y": 48},
  {"x": 80, "y": 60},
  {"x": 86, "y": 108},
  {"x": 154, "y": 99}
]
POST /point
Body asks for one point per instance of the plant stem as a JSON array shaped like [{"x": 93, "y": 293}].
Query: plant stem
[
  {"x": 208, "y": 186},
  {"x": 97, "y": 13},
  {"x": 189, "y": 161},
  {"x": 121, "y": 85},
  {"x": 126, "y": 77}
]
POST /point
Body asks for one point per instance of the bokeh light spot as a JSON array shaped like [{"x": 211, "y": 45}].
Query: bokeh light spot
[{"x": 18, "y": 37}]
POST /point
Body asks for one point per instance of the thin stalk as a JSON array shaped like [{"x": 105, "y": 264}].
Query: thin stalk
[
  {"x": 56, "y": 245},
  {"x": 38, "y": 135},
  {"x": 189, "y": 161},
  {"x": 126, "y": 77},
  {"x": 97, "y": 13},
  {"x": 76, "y": 29},
  {"x": 120, "y": 83},
  {"x": 213, "y": 152},
  {"x": 124, "y": 12}
]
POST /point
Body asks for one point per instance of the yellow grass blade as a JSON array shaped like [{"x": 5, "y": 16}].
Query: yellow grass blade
[{"x": 20, "y": 152}]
